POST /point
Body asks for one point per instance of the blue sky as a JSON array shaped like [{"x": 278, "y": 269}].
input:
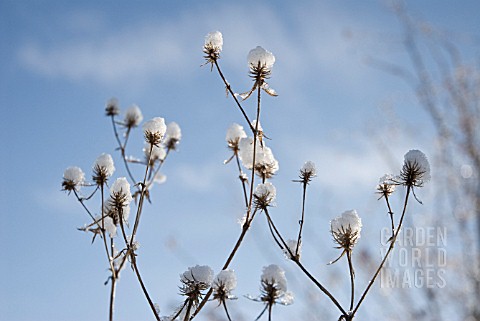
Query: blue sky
[{"x": 61, "y": 61}]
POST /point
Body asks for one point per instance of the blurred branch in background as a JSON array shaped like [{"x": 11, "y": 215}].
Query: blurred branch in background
[{"x": 445, "y": 79}]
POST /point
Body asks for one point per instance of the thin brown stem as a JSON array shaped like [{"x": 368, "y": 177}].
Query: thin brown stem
[
  {"x": 302, "y": 220},
  {"x": 113, "y": 287},
  {"x": 245, "y": 228},
  {"x": 227, "y": 85},
  {"x": 240, "y": 173},
  {"x": 300, "y": 265},
  {"x": 390, "y": 212},
  {"x": 142, "y": 197},
  {"x": 390, "y": 248},
  {"x": 122, "y": 148},
  {"x": 352, "y": 278},
  {"x": 226, "y": 310}
]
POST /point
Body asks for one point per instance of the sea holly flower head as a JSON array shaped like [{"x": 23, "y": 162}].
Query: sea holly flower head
[
  {"x": 273, "y": 288},
  {"x": 223, "y": 285},
  {"x": 265, "y": 195},
  {"x": 386, "y": 185},
  {"x": 195, "y": 280},
  {"x": 172, "y": 135},
  {"x": 154, "y": 130},
  {"x": 415, "y": 170},
  {"x": 213, "y": 46},
  {"x": 112, "y": 108},
  {"x": 307, "y": 172},
  {"x": 73, "y": 179},
  {"x": 103, "y": 168},
  {"x": 346, "y": 229},
  {"x": 133, "y": 116},
  {"x": 260, "y": 62},
  {"x": 120, "y": 195}
]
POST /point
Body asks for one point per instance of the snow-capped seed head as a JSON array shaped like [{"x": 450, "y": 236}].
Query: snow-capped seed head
[
  {"x": 73, "y": 178},
  {"x": 213, "y": 46},
  {"x": 386, "y": 185},
  {"x": 133, "y": 116},
  {"x": 294, "y": 251},
  {"x": 265, "y": 195},
  {"x": 260, "y": 58},
  {"x": 273, "y": 275},
  {"x": 265, "y": 163},
  {"x": 346, "y": 229},
  {"x": 111, "y": 210},
  {"x": 120, "y": 193},
  {"x": 223, "y": 284},
  {"x": 196, "y": 278},
  {"x": 234, "y": 133},
  {"x": 154, "y": 130},
  {"x": 416, "y": 169},
  {"x": 214, "y": 41},
  {"x": 103, "y": 168},
  {"x": 158, "y": 152},
  {"x": 172, "y": 135},
  {"x": 112, "y": 108},
  {"x": 308, "y": 171}
]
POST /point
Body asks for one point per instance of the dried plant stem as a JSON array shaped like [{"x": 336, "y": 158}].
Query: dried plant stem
[
  {"x": 390, "y": 212},
  {"x": 300, "y": 265},
  {"x": 226, "y": 310},
  {"x": 113, "y": 287},
  {"x": 390, "y": 248},
  {"x": 227, "y": 85},
  {"x": 133, "y": 261},
  {"x": 241, "y": 178},
  {"x": 352, "y": 278},
  {"x": 142, "y": 197},
  {"x": 245, "y": 228},
  {"x": 302, "y": 220},
  {"x": 122, "y": 148}
]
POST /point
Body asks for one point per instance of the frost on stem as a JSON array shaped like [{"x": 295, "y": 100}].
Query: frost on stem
[
  {"x": 213, "y": 46},
  {"x": 415, "y": 170},
  {"x": 112, "y": 108},
  {"x": 260, "y": 62},
  {"x": 154, "y": 130},
  {"x": 386, "y": 185},
  {"x": 172, "y": 135},
  {"x": 103, "y": 169},
  {"x": 265, "y": 195},
  {"x": 265, "y": 163},
  {"x": 133, "y": 117},
  {"x": 73, "y": 179},
  {"x": 346, "y": 229},
  {"x": 223, "y": 285}
]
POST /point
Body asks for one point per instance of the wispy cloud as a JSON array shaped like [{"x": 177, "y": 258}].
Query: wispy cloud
[{"x": 149, "y": 48}]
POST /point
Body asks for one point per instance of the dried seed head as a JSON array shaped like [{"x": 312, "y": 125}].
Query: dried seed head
[
  {"x": 213, "y": 46},
  {"x": 172, "y": 135},
  {"x": 73, "y": 179},
  {"x": 133, "y": 116},
  {"x": 386, "y": 185},
  {"x": 112, "y": 108},
  {"x": 103, "y": 169},
  {"x": 154, "y": 130},
  {"x": 346, "y": 229},
  {"x": 265, "y": 195},
  {"x": 415, "y": 170}
]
